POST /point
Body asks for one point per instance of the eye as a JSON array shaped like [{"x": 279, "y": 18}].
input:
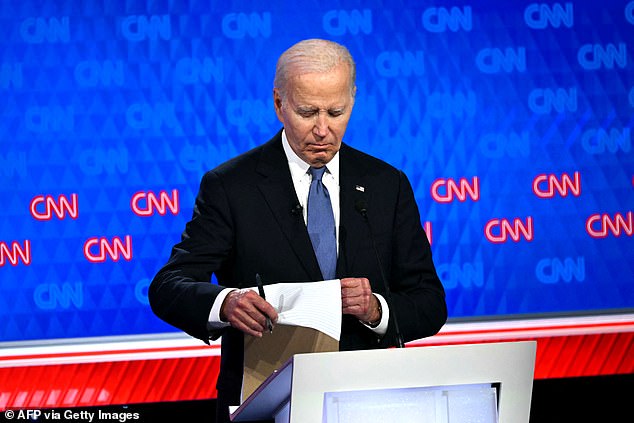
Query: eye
[
  {"x": 306, "y": 113},
  {"x": 335, "y": 112}
]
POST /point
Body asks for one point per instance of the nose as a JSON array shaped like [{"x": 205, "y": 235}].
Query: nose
[{"x": 321, "y": 125}]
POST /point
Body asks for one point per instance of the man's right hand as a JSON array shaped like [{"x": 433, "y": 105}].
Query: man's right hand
[{"x": 245, "y": 310}]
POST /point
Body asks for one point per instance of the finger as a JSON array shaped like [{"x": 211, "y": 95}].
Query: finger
[
  {"x": 358, "y": 306},
  {"x": 243, "y": 311},
  {"x": 349, "y": 283},
  {"x": 352, "y": 287},
  {"x": 261, "y": 307},
  {"x": 354, "y": 311},
  {"x": 351, "y": 301},
  {"x": 351, "y": 309},
  {"x": 246, "y": 322},
  {"x": 355, "y": 284},
  {"x": 266, "y": 309},
  {"x": 357, "y": 295}
]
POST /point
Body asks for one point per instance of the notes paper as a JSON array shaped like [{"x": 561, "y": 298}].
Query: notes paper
[{"x": 315, "y": 305}]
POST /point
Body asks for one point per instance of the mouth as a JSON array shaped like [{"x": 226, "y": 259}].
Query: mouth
[{"x": 320, "y": 146}]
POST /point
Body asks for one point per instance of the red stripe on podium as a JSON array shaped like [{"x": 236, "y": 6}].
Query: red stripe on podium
[
  {"x": 578, "y": 355},
  {"x": 108, "y": 383}
]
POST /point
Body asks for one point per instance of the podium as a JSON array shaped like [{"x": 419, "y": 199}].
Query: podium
[{"x": 491, "y": 378}]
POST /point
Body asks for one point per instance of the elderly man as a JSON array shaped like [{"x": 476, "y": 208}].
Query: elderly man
[{"x": 303, "y": 206}]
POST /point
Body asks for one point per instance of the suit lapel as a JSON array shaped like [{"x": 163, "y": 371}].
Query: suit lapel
[
  {"x": 277, "y": 189},
  {"x": 353, "y": 229}
]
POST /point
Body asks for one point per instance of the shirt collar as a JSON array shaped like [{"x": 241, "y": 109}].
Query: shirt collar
[{"x": 299, "y": 167}]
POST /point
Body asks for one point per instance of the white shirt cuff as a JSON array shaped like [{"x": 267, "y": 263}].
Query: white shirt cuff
[
  {"x": 214, "y": 321},
  {"x": 381, "y": 329}
]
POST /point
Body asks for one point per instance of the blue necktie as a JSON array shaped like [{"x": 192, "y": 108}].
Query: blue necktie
[{"x": 321, "y": 224}]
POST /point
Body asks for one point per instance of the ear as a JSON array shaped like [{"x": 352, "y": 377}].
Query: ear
[{"x": 277, "y": 104}]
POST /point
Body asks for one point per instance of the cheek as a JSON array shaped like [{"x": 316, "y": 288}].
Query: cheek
[
  {"x": 340, "y": 129},
  {"x": 300, "y": 129}
]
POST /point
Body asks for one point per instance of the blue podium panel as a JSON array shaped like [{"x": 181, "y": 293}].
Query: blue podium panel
[{"x": 512, "y": 120}]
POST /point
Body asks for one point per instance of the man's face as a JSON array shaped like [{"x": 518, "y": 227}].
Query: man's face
[{"x": 315, "y": 113}]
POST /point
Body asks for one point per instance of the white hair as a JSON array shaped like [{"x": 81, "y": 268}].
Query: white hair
[{"x": 312, "y": 56}]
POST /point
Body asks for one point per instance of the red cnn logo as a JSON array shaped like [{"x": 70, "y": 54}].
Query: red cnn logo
[
  {"x": 499, "y": 230},
  {"x": 15, "y": 253},
  {"x": 599, "y": 225},
  {"x": 44, "y": 206},
  {"x": 105, "y": 249},
  {"x": 452, "y": 190},
  {"x": 146, "y": 203},
  {"x": 544, "y": 186},
  {"x": 427, "y": 228}
]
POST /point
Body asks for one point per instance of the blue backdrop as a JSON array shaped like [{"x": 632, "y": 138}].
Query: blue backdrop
[{"x": 512, "y": 119}]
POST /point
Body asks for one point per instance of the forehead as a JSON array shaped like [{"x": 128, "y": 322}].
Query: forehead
[{"x": 323, "y": 89}]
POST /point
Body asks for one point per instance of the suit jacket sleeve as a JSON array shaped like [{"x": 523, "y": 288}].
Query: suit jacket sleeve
[
  {"x": 181, "y": 293},
  {"x": 417, "y": 293}
]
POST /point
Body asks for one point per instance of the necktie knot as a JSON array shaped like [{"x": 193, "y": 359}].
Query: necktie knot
[{"x": 317, "y": 172}]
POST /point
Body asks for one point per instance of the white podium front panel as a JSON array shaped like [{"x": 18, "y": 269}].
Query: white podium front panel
[{"x": 306, "y": 378}]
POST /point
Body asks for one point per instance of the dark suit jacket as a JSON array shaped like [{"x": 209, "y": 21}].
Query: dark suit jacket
[{"x": 244, "y": 221}]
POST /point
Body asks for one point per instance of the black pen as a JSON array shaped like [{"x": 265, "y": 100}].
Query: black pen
[{"x": 258, "y": 280}]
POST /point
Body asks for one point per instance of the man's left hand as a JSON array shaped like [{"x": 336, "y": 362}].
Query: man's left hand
[{"x": 357, "y": 299}]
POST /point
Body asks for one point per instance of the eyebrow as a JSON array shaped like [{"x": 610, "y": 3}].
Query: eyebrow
[{"x": 311, "y": 109}]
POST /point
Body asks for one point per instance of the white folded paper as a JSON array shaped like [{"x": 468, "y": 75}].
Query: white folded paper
[{"x": 315, "y": 305}]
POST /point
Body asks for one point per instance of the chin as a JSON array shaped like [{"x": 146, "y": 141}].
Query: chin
[{"x": 318, "y": 160}]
